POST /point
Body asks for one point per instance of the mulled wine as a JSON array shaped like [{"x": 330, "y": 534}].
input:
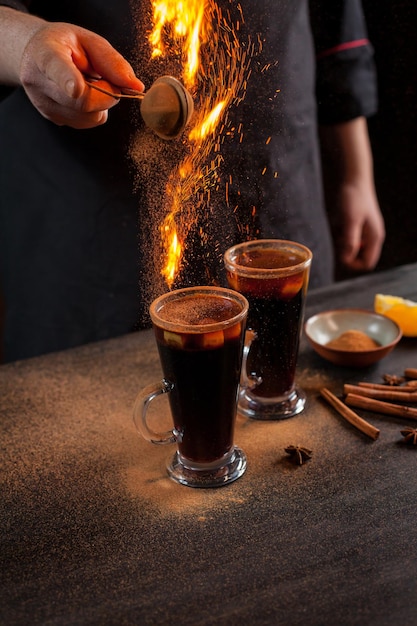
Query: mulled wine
[
  {"x": 204, "y": 369},
  {"x": 273, "y": 276},
  {"x": 199, "y": 333}
]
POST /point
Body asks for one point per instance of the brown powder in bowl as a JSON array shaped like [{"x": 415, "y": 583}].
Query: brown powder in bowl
[{"x": 353, "y": 341}]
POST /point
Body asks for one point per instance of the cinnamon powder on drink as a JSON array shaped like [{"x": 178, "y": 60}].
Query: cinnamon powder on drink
[{"x": 353, "y": 341}]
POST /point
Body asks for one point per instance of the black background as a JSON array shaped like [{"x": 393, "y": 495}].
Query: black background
[{"x": 392, "y": 28}]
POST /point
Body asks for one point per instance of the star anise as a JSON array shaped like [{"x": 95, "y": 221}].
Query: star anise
[
  {"x": 298, "y": 453},
  {"x": 410, "y": 436},
  {"x": 393, "y": 379}
]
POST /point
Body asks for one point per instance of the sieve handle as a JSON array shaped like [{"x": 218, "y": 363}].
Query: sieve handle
[{"x": 136, "y": 95}]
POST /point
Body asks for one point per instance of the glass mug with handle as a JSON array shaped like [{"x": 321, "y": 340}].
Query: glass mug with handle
[
  {"x": 273, "y": 275},
  {"x": 199, "y": 333}
]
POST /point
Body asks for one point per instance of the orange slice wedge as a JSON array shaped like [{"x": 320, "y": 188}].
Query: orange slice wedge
[{"x": 400, "y": 310}]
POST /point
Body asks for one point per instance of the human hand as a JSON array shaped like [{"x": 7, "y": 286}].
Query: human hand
[
  {"x": 54, "y": 64},
  {"x": 359, "y": 228},
  {"x": 356, "y": 220}
]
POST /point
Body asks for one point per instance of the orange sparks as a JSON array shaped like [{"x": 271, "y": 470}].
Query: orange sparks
[{"x": 214, "y": 68}]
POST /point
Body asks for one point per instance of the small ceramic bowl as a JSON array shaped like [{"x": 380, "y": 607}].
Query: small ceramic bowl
[{"x": 328, "y": 325}]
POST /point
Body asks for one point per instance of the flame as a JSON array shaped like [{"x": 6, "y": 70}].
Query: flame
[
  {"x": 174, "y": 251},
  {"x": 209, "y": 124},
  {"x": 182, "y": 22},
  {"x": 214, "y": 70}
]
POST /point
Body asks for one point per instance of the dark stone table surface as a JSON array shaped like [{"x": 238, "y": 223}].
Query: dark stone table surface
[{"x": 94, "y": 532}]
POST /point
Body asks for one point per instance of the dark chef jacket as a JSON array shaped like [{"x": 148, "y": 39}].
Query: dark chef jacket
[{"x": 72, "y": 216}]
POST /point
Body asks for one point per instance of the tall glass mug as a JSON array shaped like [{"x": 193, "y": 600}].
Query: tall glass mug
[
  {"x": 199, "y": 333},
  {"x": 273, "y": 275}
]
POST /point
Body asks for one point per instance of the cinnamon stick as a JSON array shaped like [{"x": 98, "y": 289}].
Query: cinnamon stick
[
  {"x": 410, "y": 372},
  {"x": 379, "y": 406},
  {"x": 349, "y": 415},
  {"x": 384, "y": 387},
  {"x": 379, "y": 394}
]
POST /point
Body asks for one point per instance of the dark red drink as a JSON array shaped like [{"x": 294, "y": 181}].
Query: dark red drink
[
  {"x": 275, "y": 310},
  {"x": 273, "y": 276},
  {"x": 202, "y": 363}
]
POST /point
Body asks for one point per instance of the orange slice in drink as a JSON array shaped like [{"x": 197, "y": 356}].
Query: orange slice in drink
[
  {"x": 400, "y": 310},
  {"x": 212, "y": 340},
  {"x": 173, "y": 339},
  {"x": 233, "y": 331},
  {"x": 292, "y": 286}
]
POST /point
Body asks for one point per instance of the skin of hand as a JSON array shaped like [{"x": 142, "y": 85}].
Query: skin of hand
[
  {"x": 361, "y": 227},
  {"x": 52, "y": 61},
  {"x": 356, "y": 219}
]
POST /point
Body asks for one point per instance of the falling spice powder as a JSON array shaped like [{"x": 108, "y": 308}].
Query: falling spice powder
[{"x": 353, "y": 341}]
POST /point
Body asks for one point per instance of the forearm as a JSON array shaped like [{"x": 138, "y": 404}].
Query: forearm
[
  {"x": 347, "y": 148},
  {"x": 16, "y": 30},
  {"x": 351, "y": 198}
]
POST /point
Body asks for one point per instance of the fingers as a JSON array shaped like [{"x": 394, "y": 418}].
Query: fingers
[
  {"x": 53, "y": 69},
  {"x": 370, "y": 252},
  {"x": 87, "y": 111},
  {"x": 104, "y": 61},
  {"x": 350, "y": 244},
  {"x": 361, "y": 231},
  {"x": 362, "y": 245},
  {"x": 68, "y": 115}
]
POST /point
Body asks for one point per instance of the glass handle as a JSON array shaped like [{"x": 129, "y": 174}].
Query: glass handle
[
  {"x": 248, "y": 381},
  {"x": 140, "y": 408}
]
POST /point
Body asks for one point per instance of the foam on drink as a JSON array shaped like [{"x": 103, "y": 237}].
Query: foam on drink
[
  {"x": 199, "y": 310},
  {"x": 269, "y": 259}
]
